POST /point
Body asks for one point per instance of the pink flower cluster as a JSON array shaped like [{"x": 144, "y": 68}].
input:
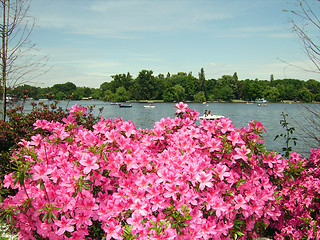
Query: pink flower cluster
[
  {"x": 180, "y": 180},
  {"x": 299, "y": 198}
]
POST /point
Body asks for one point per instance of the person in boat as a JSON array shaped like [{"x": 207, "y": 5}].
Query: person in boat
[
  {"x": 205, "y": 113},
  {"x": 209, "y": 113}
]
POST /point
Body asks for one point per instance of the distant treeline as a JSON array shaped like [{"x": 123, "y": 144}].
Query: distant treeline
[{"x": 179, "y": 87}]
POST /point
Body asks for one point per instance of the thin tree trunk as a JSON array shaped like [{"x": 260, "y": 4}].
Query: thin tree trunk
[{"x": 4, "y": 63}]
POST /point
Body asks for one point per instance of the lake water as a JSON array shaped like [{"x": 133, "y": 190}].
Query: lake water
[{"x": 240, "y": 114}]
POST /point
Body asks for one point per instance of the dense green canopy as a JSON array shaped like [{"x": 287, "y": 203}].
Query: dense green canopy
[{"x": 180, "y": 87}]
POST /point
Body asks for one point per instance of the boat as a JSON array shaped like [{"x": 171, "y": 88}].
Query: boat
[
  {"x": 149, "y": 106},
  {"x": 9, "y": 98},
  {"x": 125, "y": 105},
  {"x": 210, "y": 117},
  {"x": 115, "y": 103},
  {"x": 260, "y": 100}
]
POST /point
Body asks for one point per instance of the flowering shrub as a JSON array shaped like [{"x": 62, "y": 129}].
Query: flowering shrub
[
  {"x": 299, "y": 198},
  {"x": 20, "y": 125},
  {"x": 176, "y": 181}
]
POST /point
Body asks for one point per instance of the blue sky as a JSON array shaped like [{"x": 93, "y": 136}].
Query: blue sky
[{"x": 89, "y": 41}]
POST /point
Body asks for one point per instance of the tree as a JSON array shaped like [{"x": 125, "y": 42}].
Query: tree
[
  {"x": 66, "y": 88},
  {"x": 305, "y": 95},
  {"x": 305, "y": 24},
  {"x": 271, "y": 80},
  {"x": 121, "y": 95},
  {"x": 16, "y": 58},
  {"x": 178, "y": 93},
  {"x": 199, "y": 97},
  {"x": 145, "y": 85},
  {"x": 271, "y": 94},
  {"x": 202, "y": 80}
]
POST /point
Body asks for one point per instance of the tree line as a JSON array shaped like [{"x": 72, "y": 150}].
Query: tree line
[{"x": 179, "y": 87}]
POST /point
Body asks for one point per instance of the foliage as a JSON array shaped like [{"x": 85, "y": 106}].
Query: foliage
[
  {"x": 288, "y": 136},
  {"x": 178, "y": 180},
  {"x": 199, "y": 97},
  {"x": 180, "y": 87}
]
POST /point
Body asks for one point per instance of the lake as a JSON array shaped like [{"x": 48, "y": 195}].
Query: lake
[{"x": 239, "y": 113}]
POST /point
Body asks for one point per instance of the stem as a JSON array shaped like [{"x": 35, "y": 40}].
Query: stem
[{"x": 25, "y": 190}]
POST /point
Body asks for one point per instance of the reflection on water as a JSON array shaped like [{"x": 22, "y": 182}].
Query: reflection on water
[{"x": 240, "y": 114}]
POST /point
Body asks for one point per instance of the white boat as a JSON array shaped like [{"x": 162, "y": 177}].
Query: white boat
[
  {"x": 149, "y": 106},
  {"x": 125, "y": 106},
  {"x": 260, "y": 100},
  {"x": 211, "y": 117},
  {"x": 9, "y": 98}
]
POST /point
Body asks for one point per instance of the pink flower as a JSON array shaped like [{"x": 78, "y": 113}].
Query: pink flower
[
  {"x": 43, "y": 124},
  {"x": 41, "y": 172},
  {"x": 204, "y": 179},
  {"x": 82, "y": 218},
  {"x": 64, "y": 225},
  {"x": 240, "y": 202},
  {"x": 256, "y": 126},
  {"x": 214, "y": 144},
  {"x": 157, "y": 202},
  {"x": 181, "y": 107},
  {"x": 131, "y": 162},
  {"x": 79, "y": 234},
  {"x": 36, "y": 140},
  {"x": 113, "y": 231},
  {"x": 241, "y": 153},
  {"x": 235, "y": 138},
  {"x": 89, "y": 162},
  {"x": 219, "y": 206},
  {"x": 135, "y": 221},
  {"x": 226, "y": 125},
  {"x": 221, "y": 171},
  {"x": 9, "y": 182},
  {"x": 139, "y": 206},
  {"x": 129, "y": 128},
  {"x": 81, "y": 110}
]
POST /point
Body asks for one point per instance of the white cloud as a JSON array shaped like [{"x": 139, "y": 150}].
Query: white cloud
[{"x": 124, "y": 19}]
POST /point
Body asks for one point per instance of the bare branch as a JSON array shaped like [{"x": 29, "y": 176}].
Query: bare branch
[{"x": 305, "y": 20}]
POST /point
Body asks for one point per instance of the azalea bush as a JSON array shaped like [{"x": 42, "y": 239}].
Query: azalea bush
[
  {"x": 299, "y": 198},
  {"x": 20, "y": 126},
  {"x": 179, "y": 180}
]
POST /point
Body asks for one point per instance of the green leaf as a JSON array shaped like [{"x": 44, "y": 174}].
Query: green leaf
[
  {"x": 44, "y": 217},
  {"x": 41, "y": 185},
  {"x": 40, "y": 210},
  {"x": 104, "y": 156},
  {"x": 75, "y": 193},
  {"x": 21, "y": 179},
  {"x": 54, "y": 216}
]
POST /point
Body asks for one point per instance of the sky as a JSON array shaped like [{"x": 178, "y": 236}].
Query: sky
[{"x": 88, "y": 41}]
